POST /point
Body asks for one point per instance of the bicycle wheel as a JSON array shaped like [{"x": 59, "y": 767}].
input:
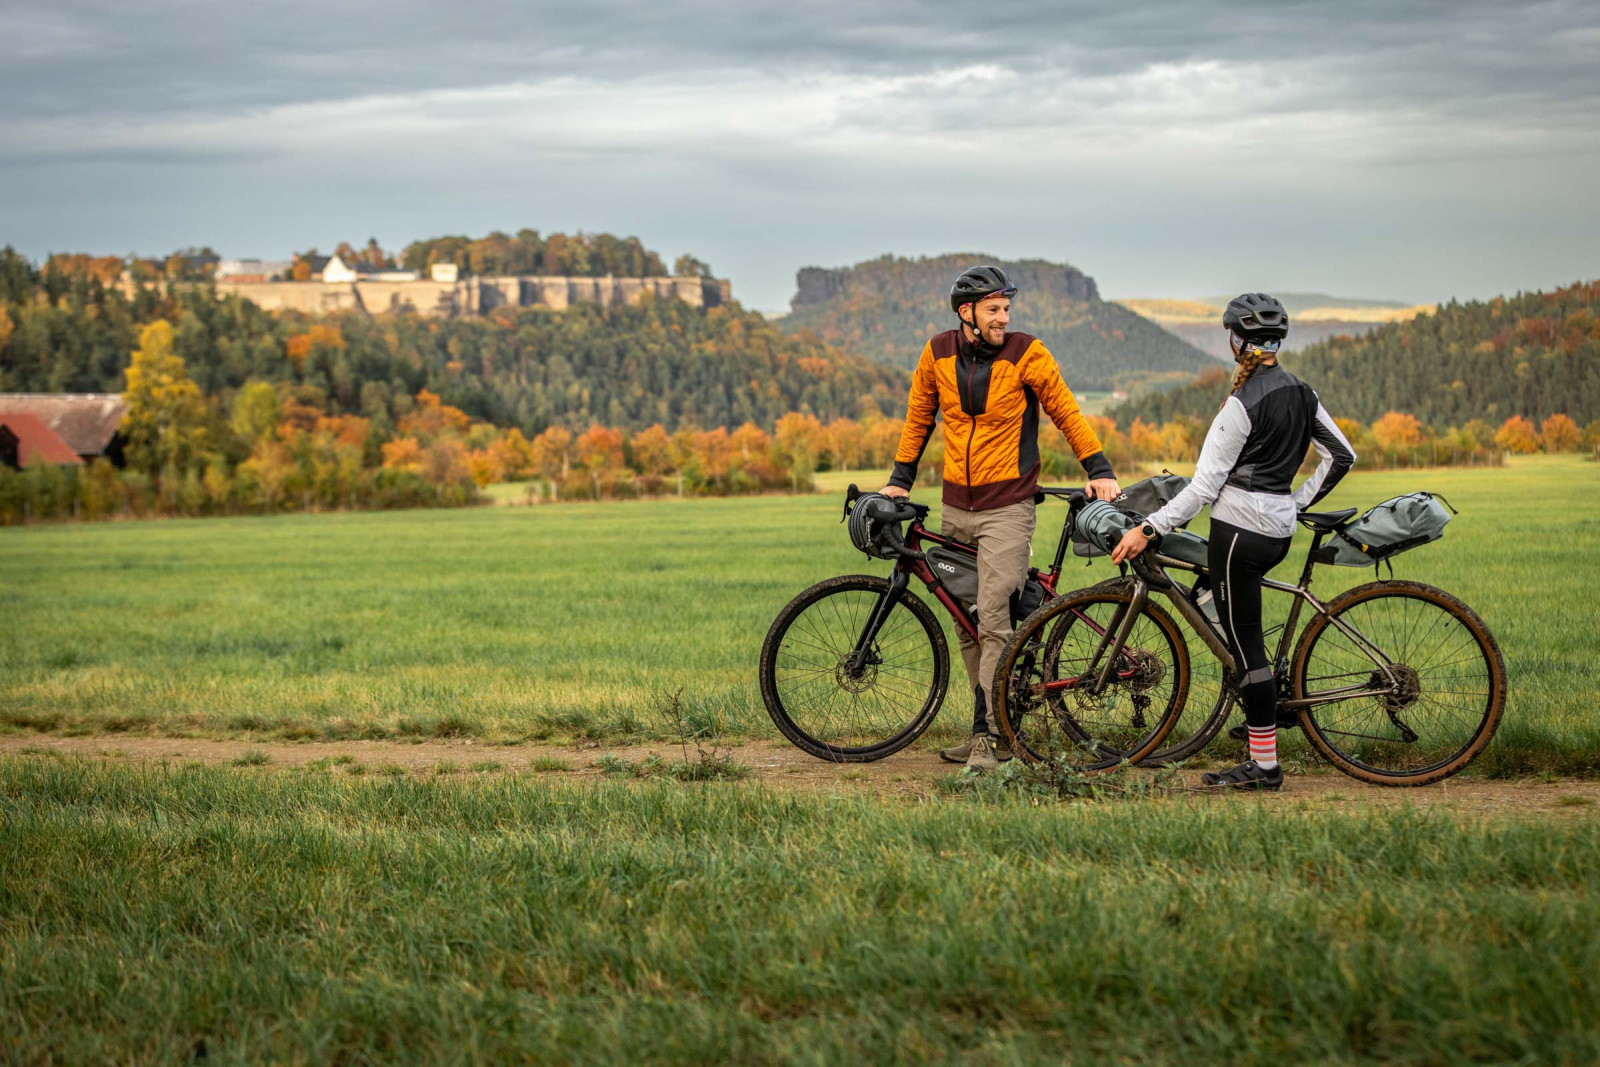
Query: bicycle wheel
[
  {"x": 811, "y": 693},
  {"x": 1451, "y": 684},
  {"x": 1043, "y": 681}
]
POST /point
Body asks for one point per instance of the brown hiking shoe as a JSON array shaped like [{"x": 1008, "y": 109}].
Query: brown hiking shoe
[
  {"x": 963, "y": 752},
  {"x": 983, "y": 754}
]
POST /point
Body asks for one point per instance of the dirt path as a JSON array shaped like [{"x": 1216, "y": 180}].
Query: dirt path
[{"x": 913, "y": 773}]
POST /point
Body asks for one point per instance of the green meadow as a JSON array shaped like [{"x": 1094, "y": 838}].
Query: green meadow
[
  {"x": 586, "y": 620},
  {"x": 159, "y": 914},
  {"x": 251, "y": 913}
]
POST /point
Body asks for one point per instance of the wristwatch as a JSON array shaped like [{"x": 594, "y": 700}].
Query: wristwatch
[{"x": 1148, "y": 531}]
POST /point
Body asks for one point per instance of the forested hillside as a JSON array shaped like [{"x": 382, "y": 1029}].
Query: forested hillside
[
  {"x": 887, "y": 308},
  {"x": 662, "y": 362},
  {"x": 1531, "y": 355}
]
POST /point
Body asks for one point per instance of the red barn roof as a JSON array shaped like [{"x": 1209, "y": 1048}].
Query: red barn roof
[
  {"x": 36, "y": 442},
  {"x": 86, "y": 421}
]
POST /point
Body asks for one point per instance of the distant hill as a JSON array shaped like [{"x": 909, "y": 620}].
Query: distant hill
[
  {"x": 1314, "y": 317},
  {"x": 886, "y": 309},
  {"x": 1533, "y": 354},
  {"x": 1300, "y": 302}
]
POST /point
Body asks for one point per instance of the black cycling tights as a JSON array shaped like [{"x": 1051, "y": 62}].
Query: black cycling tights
[{"x": 1239, "y": 559}]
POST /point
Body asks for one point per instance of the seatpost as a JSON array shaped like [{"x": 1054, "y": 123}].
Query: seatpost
[{"x": 1305, "y": 575}]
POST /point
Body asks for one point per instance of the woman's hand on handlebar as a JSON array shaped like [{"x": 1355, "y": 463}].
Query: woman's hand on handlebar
[
  {"x": 894, "y": 492},
  {"x": 1133, "y": 542}
]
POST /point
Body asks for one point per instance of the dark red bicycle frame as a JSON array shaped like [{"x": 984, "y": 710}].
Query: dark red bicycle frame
[{"x": 915, "y": 564}]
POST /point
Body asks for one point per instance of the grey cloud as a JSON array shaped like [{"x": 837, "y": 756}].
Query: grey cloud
[{"x": 163, "y": 56}]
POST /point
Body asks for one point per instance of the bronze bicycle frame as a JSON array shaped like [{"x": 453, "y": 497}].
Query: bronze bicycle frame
[{"x": 1148, "y": 578}]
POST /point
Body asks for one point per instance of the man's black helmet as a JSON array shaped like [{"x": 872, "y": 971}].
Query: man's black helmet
[
  {"x": 1256, "y": 317},
  {"x": 872, "y": 516},
  {"x": 976, "y": 283}
]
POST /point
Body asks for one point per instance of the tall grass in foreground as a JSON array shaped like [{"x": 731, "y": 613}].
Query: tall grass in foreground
[
  {"x": 302, "y": 917},
  {"x": 513, "y": 624}
]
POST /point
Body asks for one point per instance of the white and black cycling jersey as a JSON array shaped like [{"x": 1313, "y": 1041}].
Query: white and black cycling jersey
[{"x": 1251, "y": 453}]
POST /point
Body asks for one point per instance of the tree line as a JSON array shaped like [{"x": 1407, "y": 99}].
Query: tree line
[
  {"x": 1531, "y": 356},
  {"x": 275, "y": 447},
  {"x": 661, "y": 361},
  {"x": 525, "y": 252}
]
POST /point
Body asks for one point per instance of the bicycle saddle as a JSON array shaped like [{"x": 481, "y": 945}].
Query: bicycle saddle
[{"x": 1324, "y": 521}]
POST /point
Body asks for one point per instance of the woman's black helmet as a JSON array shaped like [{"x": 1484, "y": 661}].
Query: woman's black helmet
[
  {"x": 1256, "y": 317},
  {"x": 976, "y": 283}
]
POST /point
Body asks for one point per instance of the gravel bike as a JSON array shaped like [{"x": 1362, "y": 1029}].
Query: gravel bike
[
  {"x": 855, "y": 668},
  {"x": 1396, "y": 683}
]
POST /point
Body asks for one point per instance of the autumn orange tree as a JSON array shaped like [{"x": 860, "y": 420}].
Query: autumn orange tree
[
  {"x": 1397, "y": 430},
  {"x": 599, "y": 451},
  {"x": 1560, "y": 434},
  {"x": 1517, "y": 434}
]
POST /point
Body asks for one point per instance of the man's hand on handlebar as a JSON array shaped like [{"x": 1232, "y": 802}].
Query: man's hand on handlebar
[
  {"x": 894, "y": 492},
  {"x": 1133, "y": 542},
  {"x": 1103, "y": 489}
]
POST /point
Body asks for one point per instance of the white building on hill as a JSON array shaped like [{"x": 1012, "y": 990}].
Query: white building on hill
[{"x": 338, "y": 270}]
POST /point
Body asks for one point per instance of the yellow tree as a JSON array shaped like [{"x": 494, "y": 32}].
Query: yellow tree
[
  {"x": 799, "y": 439},
  {"x": 1560, "y": 434},
  {"x": 750, "y": 441},
  {"x": 552, "y": 452},
  {"x": 1517, "y": 434},
  {"x": 165, "y": 424},
  {"x": 652, "y": 451},
  {"x": 256, "y": 411},
  {"x": 1397, "y": 431},
  {"x": 514, "y": 454}
]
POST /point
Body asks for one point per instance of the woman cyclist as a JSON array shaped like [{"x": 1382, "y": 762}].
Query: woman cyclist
[{"x": 1250, "y": 456}]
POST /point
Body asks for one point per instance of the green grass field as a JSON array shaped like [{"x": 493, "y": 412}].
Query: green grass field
[
  {"x": 256, "y": 913},
  {"x": 305, "y": 917},
  {"x": 580, "y": 620}
]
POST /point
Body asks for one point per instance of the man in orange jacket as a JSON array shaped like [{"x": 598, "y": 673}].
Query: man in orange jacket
[{"x": 989, "y": 385}]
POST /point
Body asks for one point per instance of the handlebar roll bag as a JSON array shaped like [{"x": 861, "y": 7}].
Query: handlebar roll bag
[{"x": 1098, "y": 526}]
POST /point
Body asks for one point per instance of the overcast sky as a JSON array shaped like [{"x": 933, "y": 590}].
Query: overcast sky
[{"x": 1406, "y": 150}]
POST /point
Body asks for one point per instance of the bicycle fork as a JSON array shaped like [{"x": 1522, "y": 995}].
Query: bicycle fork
[
  {"x": 863, "y": 655},
  {"x": 1116, "y": 637}
]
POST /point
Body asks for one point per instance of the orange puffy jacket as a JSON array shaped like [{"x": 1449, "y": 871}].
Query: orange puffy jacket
[{"x": 991, "y": 404}]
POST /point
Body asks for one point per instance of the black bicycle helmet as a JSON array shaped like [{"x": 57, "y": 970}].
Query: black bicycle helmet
[
  {"x": 976, "y": 283},
  {"x": 1256, "y": 317},
  {"x": 870, "y": 515}
]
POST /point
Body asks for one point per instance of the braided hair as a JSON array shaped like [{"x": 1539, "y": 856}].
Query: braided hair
[{"x": 1250, "y": 360}]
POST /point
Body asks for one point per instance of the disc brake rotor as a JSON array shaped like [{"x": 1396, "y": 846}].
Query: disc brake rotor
[{"x": 851, "y": 682}]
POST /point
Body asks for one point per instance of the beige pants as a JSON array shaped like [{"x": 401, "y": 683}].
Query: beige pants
[{"x": 1004, "y": 537}]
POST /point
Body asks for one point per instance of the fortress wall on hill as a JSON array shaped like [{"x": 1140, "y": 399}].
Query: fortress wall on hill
[{"x": 470, "y": 296}]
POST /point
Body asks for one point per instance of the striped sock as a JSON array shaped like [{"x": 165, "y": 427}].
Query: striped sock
[{"x": 1264, "y": 746}]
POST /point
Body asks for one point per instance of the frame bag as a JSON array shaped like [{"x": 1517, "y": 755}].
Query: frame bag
[
  {"x": 1386, "y": 530},
  {"x": 958, "y": 573}
]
